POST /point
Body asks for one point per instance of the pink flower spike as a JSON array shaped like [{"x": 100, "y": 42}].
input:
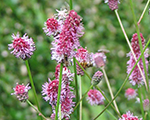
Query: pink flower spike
[
  {"x": 95, "y": 97},
  {"x": 136, "y": 77},
  {"x": 130, "y": 93},
  {"x": 21, "y": 92},
  {"x": 23, "y": 47},
  {"x": 129, "y": 116},
  {"x": 50, "y": 89}
]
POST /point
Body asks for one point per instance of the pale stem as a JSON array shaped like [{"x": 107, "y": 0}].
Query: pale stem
[
  {"x": 131, "y": 48},
  {"x": 143, "y": 11},
  {"x": 80, "y": 90},
  {"x": 110, "y": 90},
  {"x": 36, "y": 109}
]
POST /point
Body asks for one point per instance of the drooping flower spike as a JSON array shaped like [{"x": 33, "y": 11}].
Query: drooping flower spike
[
  {"x": 21, "y": 92},
  {"x": 95, "y": 97},
  {"x": 23, "y": 47}
]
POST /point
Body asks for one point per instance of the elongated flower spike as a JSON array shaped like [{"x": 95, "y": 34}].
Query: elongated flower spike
[
  {"x": 136, "y": 77},
  {"x": 23, "y": 47}
]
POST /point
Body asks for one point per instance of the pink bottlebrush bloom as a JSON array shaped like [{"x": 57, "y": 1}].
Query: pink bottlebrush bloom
[
  {"x": 21, "y": 92},
  {"x": 136, "y": 77},
  {"x": 113, "y": 4},
  {"x": 129, "y": 116},
  {"x": 95, "y": 97},
  {"x": 146, "y": 104},
  {"x": 130, "y": 93},
  {"x": 67, "y": 41},
  {"x": 97, "y": 77},
  {"x": 52, "y": 27},
  {"x": 57, "y": 70},
  {"x": 99, "y": 59},
  {"x": 23, "y": 47},
  {"x": 50, "y": 89}
]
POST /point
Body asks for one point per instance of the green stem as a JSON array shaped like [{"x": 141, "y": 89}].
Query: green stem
[
  {"x": 108, "y": 100},
  {"x": 32, "y": 85},
  {"x": 82, "y": 97},
  {"x": 140, "y": 43},
  {"x": 76, "y": 86},
  {"x": 141, "y": 103},
  {"x": 109, "y": 87},
  {"x": 123, "y": 82},
  {"x": 59, "y": 92},
  {"x": 123, "y": 30},
  {"x": 143, "y": 11},
  {"x": 71, "y": 6},
  {"x": 113, "y": 117},
  {"x": 80, "y": 89},
  {"x": 36, "y": 109}
]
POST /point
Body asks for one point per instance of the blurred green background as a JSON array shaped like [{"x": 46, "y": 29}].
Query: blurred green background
[{"x": 102, "y": 30}]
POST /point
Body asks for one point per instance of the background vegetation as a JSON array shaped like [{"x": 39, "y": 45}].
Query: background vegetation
[{"x": 102, "y": 30}]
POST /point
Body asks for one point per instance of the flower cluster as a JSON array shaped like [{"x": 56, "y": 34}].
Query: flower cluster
[
  {"x": 23, "y": 47},
  {"x": 130, "y": 93},
  {"x": 129, "y": 116},
  {"x": 95, "y": 97},
  {"x": 21, "y": 92},
  {"x": 97, "y": 78},
  {"x": 66, "y": 27},
  {"x": 136, "y": 77},
  {"x": 50, "y": 92}
]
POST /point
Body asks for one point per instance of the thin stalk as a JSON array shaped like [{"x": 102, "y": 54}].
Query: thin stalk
[
  {"x": 113, "y": 117},
  {"x": 80, "y": 89},
  {"x": 82, "y": 97},
  {"x": 36, "y": 109},
  {"x": 123, "y": 82},
  {"x": 143, "y": 12},
  {"x": 141, "y": 103},
  {"x": 110, "y": 90},
  {"x": 108, "y": 100},
  {"x": 123, "y": 30},
  {"x": 76, "y": 86},
  {"x": 140, "y": 43},
  {"x": 59, "y": 92},
  {"x": 32, "y": 85}
]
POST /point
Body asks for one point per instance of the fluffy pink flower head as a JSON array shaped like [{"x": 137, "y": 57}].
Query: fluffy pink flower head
[
  {"x": 68, "y": 39},
  {"x": 51, "y": 27},
  {"x": 23, "y": 47},
  {"x": 130, "y": 93},
  {"x": 146, "y": 104},
  {"x": 113, "y": 4},
  {"x": 136, "y": 77},
  {"x": 99, "y": 59},
  {"x": 129, "y": 116},
  {"x": 97, "y": 78},
  {"x": 95, "y": 97},
  {"x": 21, "y": 92},
  {"x": 50, "y": 89}
]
